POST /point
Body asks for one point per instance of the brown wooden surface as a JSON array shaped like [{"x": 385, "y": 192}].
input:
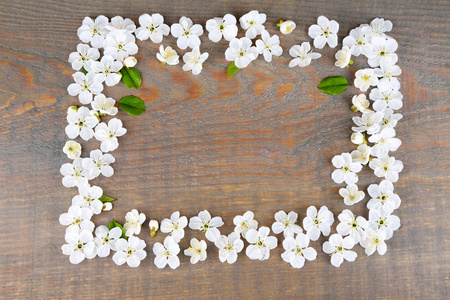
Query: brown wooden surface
[{"x": 261, "y": 141}]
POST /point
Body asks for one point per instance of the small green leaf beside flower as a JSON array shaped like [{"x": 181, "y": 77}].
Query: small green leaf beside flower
[
  {"x": 333, "y": 86},
  {"x": 105, "y": 199},
  {"x": 114, "y": 224},
  {"x": 132, "y": 105},
  {"x": 232, "y": 69},
  {"x": 131, "y": 77}
]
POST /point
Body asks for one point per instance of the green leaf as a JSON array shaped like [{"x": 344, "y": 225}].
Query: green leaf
[
  {"x": 132, "y": 105},
  {"x": 131, "y": 77},
  {"x": 333, "y": 85},
  {"x": 232, "y": 69},
  {"x": 113, "y": 224},
  {"x": 105, "y": 198},
  {"x": 84, "y": 70}
]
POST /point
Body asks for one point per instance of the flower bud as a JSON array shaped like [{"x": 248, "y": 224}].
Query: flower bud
[
  {"x": 357, "y": 138},
  {"x": 287, "y": 27},
  {"x": 343, "y": 57},
  {"x": 73, "y": 107},
  {"x": 130, "y": 62},
  {"x": 107, "y": 206},
  {"x": 153, "y": 225}
]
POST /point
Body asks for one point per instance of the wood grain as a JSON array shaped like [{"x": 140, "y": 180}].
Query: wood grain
[{"x": 261, "y": 141}]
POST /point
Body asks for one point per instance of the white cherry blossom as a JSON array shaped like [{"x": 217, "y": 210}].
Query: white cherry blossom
[
  {"x": 365, "y": 78},
  {"x": 351, "y": 194},
  {"x": 166, "y": 254},
  {"x": 229, "y": 247},
  {"x": 80, "y": 245},
  {"x": 260, "y": 243},
  {"x": 316, "y": 222},
  {"x": 120, "y": 44},
  {"x": 361, "y": 154},
  {"x": 380, "y": 220},
  {"x": 218, "y": 27},
  {"x": 77, "y": 218},
  {"x": 375, "y": 241},
  {"x": 268, "y": 46},
  {"x": 93, "y": 31},
  {"x": 383, "y": 197},
  {"x": 187, "y": 33},
  {"x": 193, "y": 61},
  {"x": 297, "y": 250},
  {"x": 378, "y": 27},
  {"x": 130, "y": 252},
  {"x": 343, "y": 57},
  {"x": 354, "y": 227},
  {"x": 120, "y": 23},
  {"x": 339, "y": 248},
  {"x": 106, "y": 70},
  {"x": 152, "y": 27},
  {"x": 174, "y": 226},
  {"x": 167, "y": 55},
  {"x": 82, "y": 56},
  {"x": 197, "y": 251},
  {"x": 107, "y": 134},
  {"x": 346, "y": 169},
  {"x": 85, "y": 87},
  {"x": 105, "y": 106},
  {"x": 387, "y": 74},
  {"x": 252, "y": 22},
  {"x": 369, "y": 122},
  {"x": 133, "y": 222},
  {"x": 244, "y": 223},
  {"x": 302, "y": 55},
  {"x": 72, "y": 149},
  {"x": 241, "y": 52},
  {"x": 286, "y": 223},
  {"x": 386, "y": 167},
  {"x": 81, "y": 123},
  {"x": 383, "y": 51},
  {"x": 358, "y": 42},
  {"x": 208, "y": 225},
  {"x": 89, "y": 197},
  {"x": 324, "y": 32},
  {"x": 106, "y": 239},
  {"x": 99, "y": 163},
  {"x": 390, "y": 119},
  {"x": 386, "y": 98},
  {"x": 384, "y": 141},
  {"x": 75, "y": 174},
  {"x": 287, "y": 27},
  {"x": 361, "y": 103}
]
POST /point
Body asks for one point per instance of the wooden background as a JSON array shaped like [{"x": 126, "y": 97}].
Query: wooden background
[{"x": 261, "y": 141}]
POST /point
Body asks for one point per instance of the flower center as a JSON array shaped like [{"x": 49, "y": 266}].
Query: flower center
[
  {"x": 316, "y": 221},
  {"x": 129, "y": 251},
  {"x": 229, "y": 247},
  {"x": 345, "y": 169},
  {"x": 221, "y": 27},
  {"x": 252, "y": 23},
  {"x": 382, "y": 53},
  {"x": 120, "y": 46},
  {"x": 259, "y": 243},
  {"x": 298, "y": 250},
  {"x": 151, "y": 28},
  {"x": 326, "y": 32},
  {"x": 205, "y": 227},
  {"x": 106, "y": 239},
  {"x": 80, "y": 246},
  {"x": 354, "y": 225},
  {"x": 76, "y": 221},
  {"x": 95, "y": 31},
  {"x": 339, "y": 249},
  {"x": 242, "y": 53}
]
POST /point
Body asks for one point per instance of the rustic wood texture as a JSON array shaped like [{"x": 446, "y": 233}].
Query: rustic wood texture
[{"x": 261, "y": 141}]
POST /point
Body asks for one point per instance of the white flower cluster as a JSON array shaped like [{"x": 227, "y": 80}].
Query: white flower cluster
[
  {"x": 378, "y": 126},
  {"x": 296, "y": 243},
  {"x": 116, "y": 39}
]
